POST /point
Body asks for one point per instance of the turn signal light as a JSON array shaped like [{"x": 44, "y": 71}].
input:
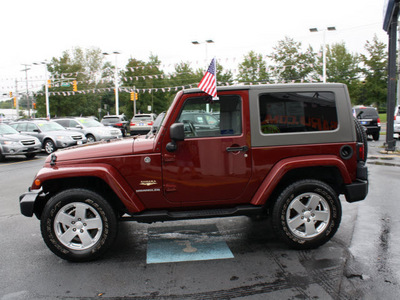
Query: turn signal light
[{"x": 37, "y": 182}]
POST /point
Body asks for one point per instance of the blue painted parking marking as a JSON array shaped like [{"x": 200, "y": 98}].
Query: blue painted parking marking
[{"x": 186, "y": 243}]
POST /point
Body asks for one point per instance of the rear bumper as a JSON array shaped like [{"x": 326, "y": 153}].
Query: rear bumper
[{"x": 358, "y": 190}]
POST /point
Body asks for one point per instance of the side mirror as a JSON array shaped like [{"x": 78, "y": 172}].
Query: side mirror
[{"x": 177, "y": 133}]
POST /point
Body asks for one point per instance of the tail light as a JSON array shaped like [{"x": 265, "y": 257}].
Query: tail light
[
  {"x": 150, "y": 123},
  {"x": 133, "y": 124},
  {"x": 379, "y": 121},
  {"x": 118, "y": 124},
  {"x": 360, "y": 152}
]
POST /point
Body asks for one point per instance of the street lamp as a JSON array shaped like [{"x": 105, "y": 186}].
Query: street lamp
[
  {"x": 115, "y": 80},
  {"x": 46, "y": 88},
  {"x": 206, "y": 42},
  {"x": 329, "y": 28},
  {"x": 27, "y": 89}
]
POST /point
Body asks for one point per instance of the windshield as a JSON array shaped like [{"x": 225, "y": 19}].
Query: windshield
[
  {"x": 89, "y": 123},
  {"x": 50, "y": 126},
  {"x": 110, "y": 120},
  {"x": 5, "y": 129},
  {"x": 367, "y": 112},
  {"x": 142, "y": 118}
]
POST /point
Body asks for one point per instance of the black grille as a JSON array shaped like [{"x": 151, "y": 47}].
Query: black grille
[
  {"x": 77, "y": 137},
  {"x": 28, "y": 142}
]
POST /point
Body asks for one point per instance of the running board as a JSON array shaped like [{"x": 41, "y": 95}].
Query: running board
[{"x": 164, "y": 215}]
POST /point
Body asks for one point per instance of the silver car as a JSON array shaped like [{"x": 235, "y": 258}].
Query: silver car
[
  {"x": 92, "y": 129},
  {"x": 50, "y": 134},
  {"x": 14, "y": 143},
  {"x": 142, "y": 123}
]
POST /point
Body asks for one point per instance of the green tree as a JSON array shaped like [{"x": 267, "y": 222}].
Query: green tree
[
  {"x": 84, "y": 66},
  {"x": 375, "y": 73},
  {"x": 289, "y": 64},
  {"x": 253, "y": 69}
]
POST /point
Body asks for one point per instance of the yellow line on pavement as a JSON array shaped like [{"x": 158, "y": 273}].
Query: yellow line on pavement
[{"x": 19, "y": 162}]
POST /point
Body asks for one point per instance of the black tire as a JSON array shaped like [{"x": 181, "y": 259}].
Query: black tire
[
  {"x": 375, "y": 136},
  {"x": 306, "y": 214},
  {"x": 361, "y": 133},
  {"x": 30, "y": 155},
  {"x": 78, "y": 225},
  {"x": 90, "y": 138},
  {"x": 49, "y": 146},
  {"x": 2, "y": 157}
]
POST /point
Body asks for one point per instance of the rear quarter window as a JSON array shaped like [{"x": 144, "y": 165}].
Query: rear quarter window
[{"x": 289, "y": 112}]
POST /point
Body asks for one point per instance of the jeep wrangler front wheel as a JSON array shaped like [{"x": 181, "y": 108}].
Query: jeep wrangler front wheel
[
  {"x": 307, "y": 214},
  {"x": 78, "y": 225}
]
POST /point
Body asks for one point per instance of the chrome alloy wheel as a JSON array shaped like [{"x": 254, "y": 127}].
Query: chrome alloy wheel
[
  {"x": 308, "y": 215},
  {"x": 78, "y": 226}
]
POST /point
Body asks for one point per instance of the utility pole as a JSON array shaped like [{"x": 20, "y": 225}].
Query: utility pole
[{"x": 27, "y": 89}]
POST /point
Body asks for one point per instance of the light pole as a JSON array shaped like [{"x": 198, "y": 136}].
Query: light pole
[
  {"x": 27, "y": 89},
  {"x": 46, "y": 88},
  {"x": 330, "y": 28},
  {"x": 206, "y": 42},
  {"x": 115, "y": 81}
]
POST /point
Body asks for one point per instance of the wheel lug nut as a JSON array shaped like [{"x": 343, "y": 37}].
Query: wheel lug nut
[
  {"x": 84, "y": 224},
  {"x": 81, "y": 230},
  {"x": 74, "y": 229},
  {"x": 73, "y": 222}
]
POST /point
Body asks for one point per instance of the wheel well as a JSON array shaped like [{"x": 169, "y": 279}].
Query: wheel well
[
  {"x": 329, "y": 175},
  {"x": 94, "y": 184}
]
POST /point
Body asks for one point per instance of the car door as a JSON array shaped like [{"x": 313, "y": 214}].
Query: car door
[{"x": 212, "y": 165}]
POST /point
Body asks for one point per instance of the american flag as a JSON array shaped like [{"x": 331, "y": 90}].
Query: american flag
[{"x": 209, "y": 82}]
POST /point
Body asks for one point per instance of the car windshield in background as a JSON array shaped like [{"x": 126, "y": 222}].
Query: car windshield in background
[
  {"x": 5, "y": 129},
  {"x": 110, "y": 120},
  {"x": 89, "y": 123},
  {"x": 142, "y": 118},
  {"x": 367, "y": 112},
  {"x": 50, "y": 126}
]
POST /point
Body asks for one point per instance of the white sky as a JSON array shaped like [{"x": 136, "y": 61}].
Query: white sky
[{"x": 33, "y": 31}]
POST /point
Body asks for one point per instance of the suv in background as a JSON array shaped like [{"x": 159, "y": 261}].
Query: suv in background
[
  {"x": 14, "y": 143},
  {"x": 120, "y": 122},
  {"x": 50, "y": 134},
  {"x": 142, "y": 123},
  {"x": 369, "y": 118},
  {"x": 289, "y": 151},
  {"x": 92, "y": 129}
]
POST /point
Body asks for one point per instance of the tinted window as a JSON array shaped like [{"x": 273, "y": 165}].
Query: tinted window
[
  {"x": 366, "y": 112},
  {"x": 297, "y": 112},
  {"x": 204, "y": 117}
]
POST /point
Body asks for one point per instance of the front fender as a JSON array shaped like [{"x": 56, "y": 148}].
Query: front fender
[
  {"x": 282, "y": 167},
  {"x": 103, "y": 171}
]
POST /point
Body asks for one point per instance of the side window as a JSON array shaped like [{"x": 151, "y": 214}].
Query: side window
[
  {"x": 31, "y": 127},
  {"x": 73, "y": 123},
  {"x": 297, "y": 112},
  {"x": 203, "y": 117}
]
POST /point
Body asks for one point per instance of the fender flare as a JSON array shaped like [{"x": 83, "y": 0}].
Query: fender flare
[
  {"x": 105, "y": 172},
  {"x": 282, "y": 167}
]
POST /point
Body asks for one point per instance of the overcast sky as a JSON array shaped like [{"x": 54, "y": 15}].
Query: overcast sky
[{"x": 33, "y": 31}]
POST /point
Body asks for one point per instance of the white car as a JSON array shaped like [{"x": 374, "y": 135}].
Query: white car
[
  {"x": 396, "y": 129},
  {"x": 92, "y": 129}
]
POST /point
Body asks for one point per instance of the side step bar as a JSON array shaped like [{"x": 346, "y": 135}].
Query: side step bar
[{"x": 164, "y": 215}]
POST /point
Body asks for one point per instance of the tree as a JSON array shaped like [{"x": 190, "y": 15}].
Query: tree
[
  {"x": 253, "y": 69},
  {"x": 290, "y": 64},
  {"x": 375, "y": 73},
  {"x": 84, "y": 66}
]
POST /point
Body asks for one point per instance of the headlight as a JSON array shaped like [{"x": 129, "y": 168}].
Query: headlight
[
  {"x": 9, "y": 143},
  {"x": 63, "y": 137}
]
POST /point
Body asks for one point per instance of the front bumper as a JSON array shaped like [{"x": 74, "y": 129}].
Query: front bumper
[
  {"x": 20, "y": 150},
  {"x": 29, "y": 201}
]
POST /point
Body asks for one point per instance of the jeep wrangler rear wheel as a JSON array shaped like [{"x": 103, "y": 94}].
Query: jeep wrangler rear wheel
[
  {"x": 78, "y": 225},
  {"x": 307, "y": 214}
]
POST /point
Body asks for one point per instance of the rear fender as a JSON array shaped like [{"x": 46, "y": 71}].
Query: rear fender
[
  {"x": 282, "y": 167},
  {"x": 103, "y": 171}
]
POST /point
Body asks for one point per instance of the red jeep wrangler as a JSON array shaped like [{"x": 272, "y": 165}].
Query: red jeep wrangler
[{"x": 286, "y": 150}]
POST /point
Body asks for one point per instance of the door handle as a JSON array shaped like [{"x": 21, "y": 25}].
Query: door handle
[{"x": 237, "y": 149}]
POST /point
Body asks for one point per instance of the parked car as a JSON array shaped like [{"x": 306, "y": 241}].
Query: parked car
[
  {"x": 141, "y": 123},
  {"x": 14, "y": 143},
  {"x": 120, "y": 122},
  {"x": 368, "y": 117},
  {"x": 92, "y": 129},
  {"x": 396, "y": 129},
  {"x": 50, "y": 134}
]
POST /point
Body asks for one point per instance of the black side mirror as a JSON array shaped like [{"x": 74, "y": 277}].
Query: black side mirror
[{"x": 177, "y": 133}]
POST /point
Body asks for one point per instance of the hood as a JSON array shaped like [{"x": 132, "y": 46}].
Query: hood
[
  {"x": 62, "y": 133},
  {"x": 18, "y": 137},
  {"x": 113, "y": 148}
]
